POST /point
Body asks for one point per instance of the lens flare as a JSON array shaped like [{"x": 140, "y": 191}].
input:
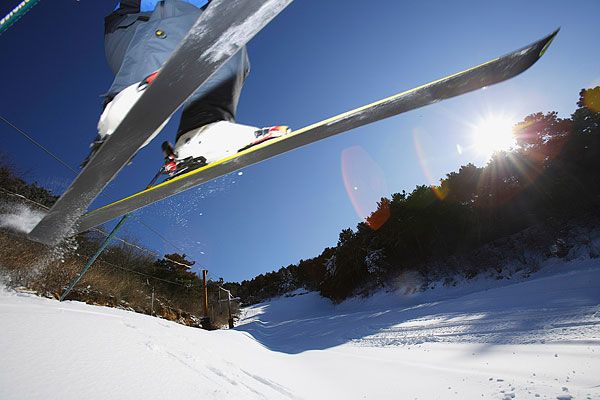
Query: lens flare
[
  {"x": 364, "y": 180},
  {"x": 424, "y": 163}
]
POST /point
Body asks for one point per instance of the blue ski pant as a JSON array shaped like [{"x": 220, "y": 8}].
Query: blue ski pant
[{"x": 139, "y": 43}]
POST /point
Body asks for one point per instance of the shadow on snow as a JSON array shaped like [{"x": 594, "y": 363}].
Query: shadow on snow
[{"x": 558, "y": 308}]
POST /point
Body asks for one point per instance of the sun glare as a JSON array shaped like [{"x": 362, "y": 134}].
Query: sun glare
[{"x": 493, "y": 134}]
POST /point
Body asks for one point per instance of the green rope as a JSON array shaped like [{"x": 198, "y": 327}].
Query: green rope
[{"x": 16, "y": 13}]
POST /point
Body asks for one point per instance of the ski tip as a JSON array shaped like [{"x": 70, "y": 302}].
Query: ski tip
[{"x": 545, "y": 42}]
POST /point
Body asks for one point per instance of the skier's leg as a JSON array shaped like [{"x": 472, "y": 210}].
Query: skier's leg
[
  {"x": 134, "y": 51},
  {"x": 218, "y": 98}
]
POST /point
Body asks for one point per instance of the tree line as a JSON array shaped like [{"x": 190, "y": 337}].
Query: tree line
[{"x": 553, "y": 172}]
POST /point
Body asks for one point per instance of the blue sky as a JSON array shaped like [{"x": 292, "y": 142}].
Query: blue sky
[{"x": 317, "y": 59}]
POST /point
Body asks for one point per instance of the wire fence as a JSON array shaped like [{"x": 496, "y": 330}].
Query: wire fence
[
  {"x": 58, "y": 159},
  {"x": 125, "y": 276},
  {"x": 97, "y": 230},
  {"x": 132, "y": 281},
  {"x": 127, "y": 282}
]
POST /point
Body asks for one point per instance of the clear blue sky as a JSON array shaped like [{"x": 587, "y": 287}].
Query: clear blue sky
[{"x": 317, "y": 59}]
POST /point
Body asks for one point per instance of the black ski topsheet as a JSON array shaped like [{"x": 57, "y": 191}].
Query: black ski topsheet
[
  {"x": 225, "y": 27},
  {"x": 486, "y": 74}
]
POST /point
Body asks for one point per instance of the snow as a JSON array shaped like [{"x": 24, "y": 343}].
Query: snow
[
  {"x": 330, "y": 265},
  {"x": 19, "y": 217},
  {"x": 483, "y": 338}
]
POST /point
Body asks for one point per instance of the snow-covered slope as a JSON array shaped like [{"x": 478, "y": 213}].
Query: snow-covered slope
[
  {"x": 535, "y": 338},
  {"x": 560, "y": 303}
]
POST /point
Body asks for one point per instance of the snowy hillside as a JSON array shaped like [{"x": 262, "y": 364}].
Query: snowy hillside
[{"x": 535, "y": 338}]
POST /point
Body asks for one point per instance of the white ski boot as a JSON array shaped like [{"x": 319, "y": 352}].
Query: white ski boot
[
  {"x": 215, "y": 142},
  {"x": 117, "y": 109}
]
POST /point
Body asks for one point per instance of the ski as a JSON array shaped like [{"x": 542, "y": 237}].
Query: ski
[
  {"x": 222, "y": 29},
  {"x": 491, "y": 72}
]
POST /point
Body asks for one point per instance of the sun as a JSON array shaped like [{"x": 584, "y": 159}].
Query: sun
[{"x": 492, "y": 134}]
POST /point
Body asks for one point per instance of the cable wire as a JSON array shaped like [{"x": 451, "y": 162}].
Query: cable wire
[
  {"x": 38, "y": 144},
  {"x": 164, "y": 239},
  {"x": 94, "y": 229},
  {"x": 146, "y": 275},
  {"x": 32, "y": 140},
  {"x": 100, "y": 231},
  {"x": 123, "y": 268}
]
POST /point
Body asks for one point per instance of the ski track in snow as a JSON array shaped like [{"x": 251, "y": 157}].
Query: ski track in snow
[{"x": 508, "y": 339}]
